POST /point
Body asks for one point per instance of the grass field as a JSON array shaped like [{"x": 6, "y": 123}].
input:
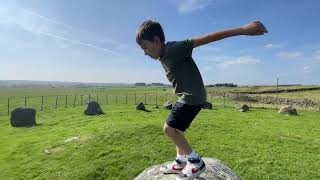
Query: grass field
[
  {"x": 69, "y": 97},
  {"x": 260, "y": 144}
]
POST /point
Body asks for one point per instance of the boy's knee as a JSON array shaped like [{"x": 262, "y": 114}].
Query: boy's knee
[{"x": 169, "y": 131}]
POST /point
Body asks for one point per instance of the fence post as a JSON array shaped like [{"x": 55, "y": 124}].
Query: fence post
[
  {"x": 305, "y": 106},
  {"x": 56, "y": 102},
  {"x": 107, "y": 98},
  {"x": 66, "y": 105},
  {"x": 135, "y": 98},
  {"x": 156, "y": 99},
  {"x": 25, "y": 101},
  {"x": 41, "y": 103},
  {"x": 8, "y": 106},
  {"x": 81, "y": 97},
  {"x": 74, "y": 100}
]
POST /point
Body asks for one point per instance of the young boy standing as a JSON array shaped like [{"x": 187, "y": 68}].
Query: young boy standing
[{"x": 182, "y": 72}]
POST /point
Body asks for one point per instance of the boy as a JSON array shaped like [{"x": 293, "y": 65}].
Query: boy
[{"x": 182, "y": 72}]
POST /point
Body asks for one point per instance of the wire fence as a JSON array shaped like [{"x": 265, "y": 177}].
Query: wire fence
[{"x": 149, "y": 98}]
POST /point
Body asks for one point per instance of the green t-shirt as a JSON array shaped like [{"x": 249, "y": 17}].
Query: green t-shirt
[{"x": 183, "y": 73}]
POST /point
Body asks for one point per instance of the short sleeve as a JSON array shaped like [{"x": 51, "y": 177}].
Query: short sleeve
[{"x": 181, "y": 49}]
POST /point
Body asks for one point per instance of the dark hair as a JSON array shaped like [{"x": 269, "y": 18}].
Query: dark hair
[{"x": 148, "y": 29}]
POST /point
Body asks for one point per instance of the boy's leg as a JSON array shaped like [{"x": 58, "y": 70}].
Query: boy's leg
[
  {"x": 180, "y": 151},
  {"x": 181, "y": 155},
  {"x": 179, "y": 164},
  {"x": 178, "y": 139},
  {"x": 179, "y": 120}
]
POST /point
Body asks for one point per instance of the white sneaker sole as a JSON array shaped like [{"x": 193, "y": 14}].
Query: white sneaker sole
[{"x": 165, "y": 170}]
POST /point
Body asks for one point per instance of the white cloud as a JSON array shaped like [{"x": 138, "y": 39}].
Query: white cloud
[
  {"x": 41, "y": 25},
  {"x": 244, "y": 60},
  {"x": 290, "y": 55},
  {"x": 307, "y": 69},
  {"x": 273, "y": 46},
  {"x": 188, "y": 6}
]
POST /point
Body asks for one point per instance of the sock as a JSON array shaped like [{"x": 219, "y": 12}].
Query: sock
[
  {"x": 181, "y": 157},
  {"x": 193, "y": 155}
]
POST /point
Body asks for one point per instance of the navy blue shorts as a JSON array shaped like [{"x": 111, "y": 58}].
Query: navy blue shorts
[{"x": 182, "y": 115}]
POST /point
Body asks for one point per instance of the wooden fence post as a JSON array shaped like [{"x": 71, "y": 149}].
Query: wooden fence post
[
  {"x": 305, "y": 106},
  {"x": 8, "y": 106},
  {"x": 74, "y": 100},
  {"x": 156, "y": 99},
  {"x": 25, "y": 101},
  {"x": 66, "y": 105},
  {"x": 56, "y": 102},
  {"x": 224, "y": 99},
  {"x": 41, "y": 103},
  {"x": 135, "y": 98}
]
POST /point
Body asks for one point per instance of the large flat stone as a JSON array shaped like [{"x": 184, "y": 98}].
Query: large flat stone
[{"x": 216, "y": 170}]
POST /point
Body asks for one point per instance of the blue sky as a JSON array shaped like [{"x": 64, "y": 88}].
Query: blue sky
[{"x": 94, "y": 40}]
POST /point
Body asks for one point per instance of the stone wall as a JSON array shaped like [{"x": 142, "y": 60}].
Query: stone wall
[{"x": 274, "y": 101}]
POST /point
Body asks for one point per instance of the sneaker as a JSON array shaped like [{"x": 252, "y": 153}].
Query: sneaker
[
  {"x": 194, "y": 169},
  {"x": 174, "y": 168}
]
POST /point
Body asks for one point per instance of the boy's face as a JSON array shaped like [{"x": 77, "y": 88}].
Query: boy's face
[{"x": 152, "y": 48}]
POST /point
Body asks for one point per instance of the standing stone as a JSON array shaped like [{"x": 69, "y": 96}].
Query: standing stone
[
  {"x": 93, "y": 108},
  {"x": 141, "y": 107},
  {"x": 23, "y": 117},
  {"x": 216, "y": 170},
  {"x": 288, "y": 110},
  {"x": 244, "y": 108},
  {"x": 207, "y": 105}
]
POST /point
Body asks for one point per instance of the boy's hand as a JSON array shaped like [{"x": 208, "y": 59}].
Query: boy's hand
[{"x": 254, "y": 28}]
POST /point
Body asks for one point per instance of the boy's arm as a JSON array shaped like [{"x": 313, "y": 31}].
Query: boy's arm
[{"x": 254, "y": 28}]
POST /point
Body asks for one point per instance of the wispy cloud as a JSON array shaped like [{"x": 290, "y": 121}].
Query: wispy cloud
[
  {"x": 246, "y": 60},
  {"x": 78, "y": 42},
  {"x": 290, "y": 55},
  {"x": 33, "y": 13},
  {"x": 41, "y": 25},
  {"x": 307, "y": 69},
  {"x": 273, "y": 46},
  {"x": 227, "y": 61},
  {"x": 188, "y": 6}
]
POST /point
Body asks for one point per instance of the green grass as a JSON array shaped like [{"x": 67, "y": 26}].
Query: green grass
[
  {"x": 122, "y": 95},
  {"x": 260, "y": 144}
]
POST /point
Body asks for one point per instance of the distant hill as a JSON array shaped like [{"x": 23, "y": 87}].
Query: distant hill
[{"x": 55, "y": 84}]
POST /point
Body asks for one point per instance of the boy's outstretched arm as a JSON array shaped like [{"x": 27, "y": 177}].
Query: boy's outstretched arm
[{"x": 254, "y": 28}]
